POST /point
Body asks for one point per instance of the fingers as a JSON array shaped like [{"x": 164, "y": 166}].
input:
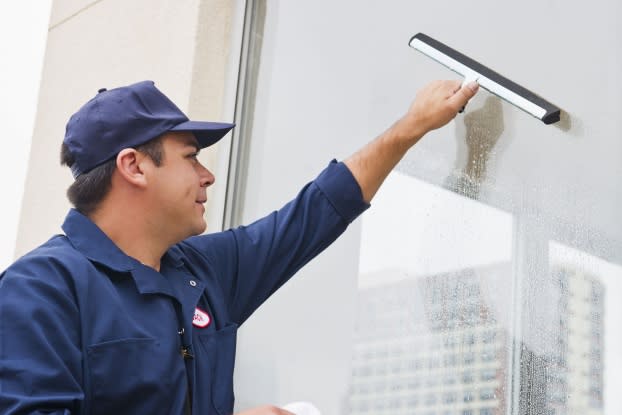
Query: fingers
[
  {"x": 434, "y": 106},
  {"x": 462, "y": 95},
  {"x": 454, "y": 86}
]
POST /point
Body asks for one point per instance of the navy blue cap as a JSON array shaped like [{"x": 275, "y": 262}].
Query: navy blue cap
[{"x": 127, "y": 117}]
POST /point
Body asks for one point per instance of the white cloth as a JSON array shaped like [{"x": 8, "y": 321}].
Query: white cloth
[{"x": 302, "y": 408}]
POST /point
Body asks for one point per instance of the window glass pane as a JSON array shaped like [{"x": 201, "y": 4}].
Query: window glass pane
[{"x": 485, "y": 277}]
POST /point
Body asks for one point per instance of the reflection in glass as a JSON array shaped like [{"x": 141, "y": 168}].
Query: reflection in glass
[
  {"x": 450, "y": 321},
  {"x": 443, "y": 335},
  {"x": 575, "y": 378}
]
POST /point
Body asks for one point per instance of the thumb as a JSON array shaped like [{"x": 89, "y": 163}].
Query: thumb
[{"x": 464, "y": 94}]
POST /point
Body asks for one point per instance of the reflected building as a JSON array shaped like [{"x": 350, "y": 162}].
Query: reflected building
[
  {"x": 574, "y": 374},
  {"x": 439, "y": 345},
  {"x": 428, "y": 346}
]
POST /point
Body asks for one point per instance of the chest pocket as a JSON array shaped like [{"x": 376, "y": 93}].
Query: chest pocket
[
  {"x": 215, "y": 371},
  {"x": 123, "y": 372}
]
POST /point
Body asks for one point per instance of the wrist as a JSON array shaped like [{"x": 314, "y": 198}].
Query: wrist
[{"x": 407, "y": 131}]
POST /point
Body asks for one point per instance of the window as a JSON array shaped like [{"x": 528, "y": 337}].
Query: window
[
  {"x": 488, "y": 336},
  {"x": 468, "y": 358},
  {"x": 492, "y": 220},
  {"x": 487, "y": 355},
  {"x": 430, "y": 399},
  {"x": 486, "y": 394},
  {"x": 467, "y": 377},
  {"x": 449, "y": 397},
  {"x": 468, "y": 396},
  {"x": 488, "y": 374},
  {"x": 450, "y": 360},
  {"x": 449, "y": 379}
]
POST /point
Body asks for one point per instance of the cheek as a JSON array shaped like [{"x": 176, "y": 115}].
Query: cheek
[
  {"x": 178, "y": 185},
  {"x": 186, "y": 182}
]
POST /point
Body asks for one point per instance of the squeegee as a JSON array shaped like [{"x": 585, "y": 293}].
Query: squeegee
[{"x": 488, "y": 79}]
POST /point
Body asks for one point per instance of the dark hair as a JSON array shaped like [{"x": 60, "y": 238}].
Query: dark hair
[{"x": 90, "y": 188}]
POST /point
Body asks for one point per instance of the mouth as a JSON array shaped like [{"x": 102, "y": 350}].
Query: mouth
[{"x": 200, "y": 205}]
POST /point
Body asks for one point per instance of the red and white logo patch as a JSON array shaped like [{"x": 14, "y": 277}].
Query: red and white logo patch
[{"x": 201, "y": 318}]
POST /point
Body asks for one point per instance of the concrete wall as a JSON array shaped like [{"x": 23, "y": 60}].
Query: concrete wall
[
  {"x": 185, "y": 47},
  {"x": 23, "y": 35}
]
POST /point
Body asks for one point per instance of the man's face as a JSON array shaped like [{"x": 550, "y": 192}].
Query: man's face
[{"x": 178, "y": 188}]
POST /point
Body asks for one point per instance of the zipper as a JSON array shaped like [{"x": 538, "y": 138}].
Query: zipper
[{"x": 186, "y": 355}]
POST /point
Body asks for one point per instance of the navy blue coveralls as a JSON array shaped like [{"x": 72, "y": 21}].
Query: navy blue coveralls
[{"x": 85, "y": 329}]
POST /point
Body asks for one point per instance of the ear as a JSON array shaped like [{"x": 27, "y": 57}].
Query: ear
[{"x": 130, "y": 166}]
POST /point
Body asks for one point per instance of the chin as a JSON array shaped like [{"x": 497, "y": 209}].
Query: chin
[
  {"x": 195, "y": 230},
  {"x": 202, "y": 227}
]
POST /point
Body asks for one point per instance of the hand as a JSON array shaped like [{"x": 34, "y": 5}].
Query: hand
[
  {"x": 266, "y": 410},
  {"x": 434, "y": 106}
]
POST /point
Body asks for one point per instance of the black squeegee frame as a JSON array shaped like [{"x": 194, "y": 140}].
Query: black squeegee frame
[{"x": 486, "y": 78}]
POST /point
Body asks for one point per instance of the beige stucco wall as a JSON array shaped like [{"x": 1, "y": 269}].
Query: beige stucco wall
[{"x": 185, "y": 47}]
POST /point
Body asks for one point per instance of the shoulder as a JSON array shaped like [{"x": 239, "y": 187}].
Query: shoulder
[
  {"x": 57, "y": 251},
  {"x": 53, "y": 262},
  {"x": 209, "y": 247}
]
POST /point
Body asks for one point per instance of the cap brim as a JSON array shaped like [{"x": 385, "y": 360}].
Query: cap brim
[{"x": 206, "y": 132}]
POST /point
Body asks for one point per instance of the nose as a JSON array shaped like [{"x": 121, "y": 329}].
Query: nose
[{"x": 206, "y": 177}]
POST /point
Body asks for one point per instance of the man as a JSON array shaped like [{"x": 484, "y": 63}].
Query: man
[{"x": 130, "y": 312}]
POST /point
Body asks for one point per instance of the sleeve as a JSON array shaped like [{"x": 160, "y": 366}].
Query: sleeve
[
  {"x": 253, "y": 261},
  {"x": 40, "y": 358}
]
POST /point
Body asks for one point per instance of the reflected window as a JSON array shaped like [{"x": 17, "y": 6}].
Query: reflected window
[
  {"x": 449, "y": 379},
  {"x": 487, "y": 355},
  {"x": 468, "y": 358},
  {"x": 449, "y": 397},
  {"x": 488, "y": 374},
  {"x": 431, "y": 381},
  {"x": 414, "y": 383},
  {"x": 468, "y": 377},
  {"x": 430, "y": 399},
  {"x": 486, "y": 394},
  {"x": 488, "y": 336},
  {"x": 450, "y": 360},
  {"x": 412, "y": 401}
]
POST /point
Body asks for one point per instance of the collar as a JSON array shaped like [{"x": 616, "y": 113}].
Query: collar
[
  {"x": 174, "y": 257},
  {"x": 93, "y": 243}
]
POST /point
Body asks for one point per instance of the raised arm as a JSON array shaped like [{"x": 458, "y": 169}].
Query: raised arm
[{"x": 434, "y": 106}]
